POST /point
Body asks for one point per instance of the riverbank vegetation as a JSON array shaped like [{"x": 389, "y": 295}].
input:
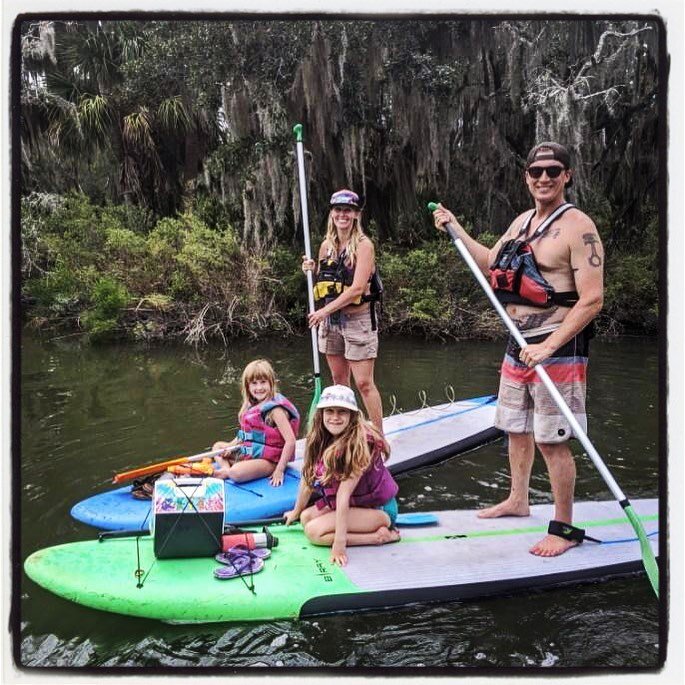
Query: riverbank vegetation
[{"x": 159, "y": 187}]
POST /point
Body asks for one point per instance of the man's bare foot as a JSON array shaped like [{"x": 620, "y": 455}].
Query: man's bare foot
[
  {"x": 552, "y": 546},
  {"x": 506, "y": 508},
  {"x": 385, "y": 535}
]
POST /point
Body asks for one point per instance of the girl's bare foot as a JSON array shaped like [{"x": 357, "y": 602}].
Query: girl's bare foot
[{"x": 385, "y": 535}]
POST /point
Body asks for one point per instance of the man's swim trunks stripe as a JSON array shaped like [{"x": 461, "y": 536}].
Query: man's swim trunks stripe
[{"x": 525, "y": 406}]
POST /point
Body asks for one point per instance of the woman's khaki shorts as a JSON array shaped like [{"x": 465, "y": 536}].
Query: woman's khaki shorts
[{"x": 352, "y": 337}]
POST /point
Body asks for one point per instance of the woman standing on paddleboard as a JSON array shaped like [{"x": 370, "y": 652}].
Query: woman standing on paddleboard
[{"x": 346, "y": 291}]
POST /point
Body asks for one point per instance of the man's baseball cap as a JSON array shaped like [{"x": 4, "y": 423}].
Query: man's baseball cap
[
  {"x": 346, "y": 197},
  {"x": 548, "y": 151}
]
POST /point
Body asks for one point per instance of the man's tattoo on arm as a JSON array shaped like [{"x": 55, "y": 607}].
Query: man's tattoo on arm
[{"x": 591, "y": 239}]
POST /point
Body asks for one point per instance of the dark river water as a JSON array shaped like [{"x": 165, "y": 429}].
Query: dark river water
[{"x": 90, "y": 411}]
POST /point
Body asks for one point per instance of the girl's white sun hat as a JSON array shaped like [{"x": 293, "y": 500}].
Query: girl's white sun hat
[{"x": 338, "y": 396}]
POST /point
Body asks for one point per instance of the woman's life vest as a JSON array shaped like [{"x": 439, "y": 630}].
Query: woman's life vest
[
  {"x": 515, "y": 276},
  {"x": 259, "y": 439},
  {"x": 335, "y": 276},
  {"x": 375, "y": 487}
]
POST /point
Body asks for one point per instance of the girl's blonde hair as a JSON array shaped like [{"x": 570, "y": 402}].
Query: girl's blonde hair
[
  {"x": 257, "y": 370},
  {"x": 356, "y": 236},
  {"x": 344, "y": 457}
]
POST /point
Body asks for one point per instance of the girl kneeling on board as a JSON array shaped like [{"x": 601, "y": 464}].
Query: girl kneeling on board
[{"x": 344, "y": 462}]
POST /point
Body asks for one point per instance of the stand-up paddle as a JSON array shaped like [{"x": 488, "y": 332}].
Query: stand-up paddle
[
  {"x": 297, "y": 130},
  {"x": 647, "y": 555}
]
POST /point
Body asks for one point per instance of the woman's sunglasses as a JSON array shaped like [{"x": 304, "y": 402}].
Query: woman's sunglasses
[{"x": 552, "y": 171}]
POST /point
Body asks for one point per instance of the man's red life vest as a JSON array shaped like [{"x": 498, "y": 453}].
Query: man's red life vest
[{"x": 515, "y": 276}]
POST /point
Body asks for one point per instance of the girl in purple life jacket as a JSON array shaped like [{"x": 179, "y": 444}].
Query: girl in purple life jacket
[
  {"x": 345, "y": 462},
  {"x": 269, "y": 423}
]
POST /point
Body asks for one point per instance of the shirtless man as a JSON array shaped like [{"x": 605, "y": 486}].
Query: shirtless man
[{"x": 570, "y": 258}]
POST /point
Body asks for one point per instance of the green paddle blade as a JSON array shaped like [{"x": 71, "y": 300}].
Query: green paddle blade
[
  {"x": 648, "y": 558},
  {"x": 315, "y": 401}
]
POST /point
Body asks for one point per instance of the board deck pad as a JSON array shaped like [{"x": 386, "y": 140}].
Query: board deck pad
[
  {"x": 461, "y": 557},
  {"x": 417, "y": 438}
]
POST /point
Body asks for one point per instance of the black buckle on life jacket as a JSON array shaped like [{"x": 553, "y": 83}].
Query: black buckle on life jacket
[
  {"x": 569, "y": 532},
  {"x": 565, "y": 299}
]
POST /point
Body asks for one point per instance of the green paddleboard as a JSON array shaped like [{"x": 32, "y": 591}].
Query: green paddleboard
[{"x": 460, "y": 557}]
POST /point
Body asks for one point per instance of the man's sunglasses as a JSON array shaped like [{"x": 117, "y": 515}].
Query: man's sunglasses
[{"x": 552, "y": 171}]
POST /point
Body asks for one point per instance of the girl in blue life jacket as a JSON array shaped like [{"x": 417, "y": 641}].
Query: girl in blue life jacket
[
  {"x": 345, "y": 462},
  {"x": 269, "y": 423}
]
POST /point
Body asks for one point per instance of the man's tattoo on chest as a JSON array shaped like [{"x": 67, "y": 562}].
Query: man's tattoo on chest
[
  {"x": 591, "y": 239},
  {"x": 530, "y": 321}
]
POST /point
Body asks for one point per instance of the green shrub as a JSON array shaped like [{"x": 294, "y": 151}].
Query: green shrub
[
  {"x": 108, "y": 298},
  {"x": 286, "y": 282},
  {"x": 416, "y": 285},
  {"x": 631, "y": 296},
  {"x": 134, "y": 218}
]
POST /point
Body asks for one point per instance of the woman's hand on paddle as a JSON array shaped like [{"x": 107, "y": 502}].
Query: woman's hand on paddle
[
  {"x": 307, "y": 264},
  {"x": 534, "y": 354},
  {"x": 339, "y": 553},
  {"x": 317, "y": 317}
]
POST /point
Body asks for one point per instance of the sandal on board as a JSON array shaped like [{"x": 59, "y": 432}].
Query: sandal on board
[
  {"x": 243, "y": 565},
  {"x": 143, "y": 488},
  {"x": 242, "y": 551}
]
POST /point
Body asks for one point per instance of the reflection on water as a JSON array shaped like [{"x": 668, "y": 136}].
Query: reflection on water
[{"x": 88, "y": 412}]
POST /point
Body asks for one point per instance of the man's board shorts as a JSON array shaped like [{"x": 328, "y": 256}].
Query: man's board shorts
[
  {"x": 524, "y": 404},
  {"x": 350, "y": 336}
]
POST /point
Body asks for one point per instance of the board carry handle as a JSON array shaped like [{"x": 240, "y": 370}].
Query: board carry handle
[{"x": 648, "y": 558}]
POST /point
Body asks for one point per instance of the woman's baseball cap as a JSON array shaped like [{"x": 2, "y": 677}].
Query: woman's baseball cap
[
  {"x": 338, "y": 396},
  {"x": 346, "y": 197}
]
